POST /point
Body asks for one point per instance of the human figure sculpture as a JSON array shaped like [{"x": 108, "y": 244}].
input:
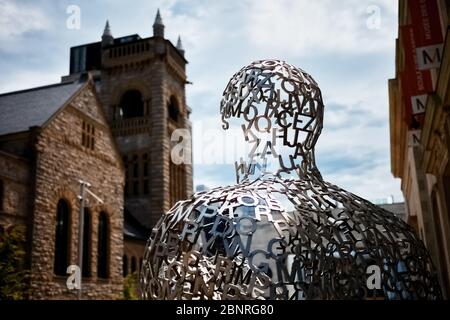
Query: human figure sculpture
[{"x": 282, "y": 232}]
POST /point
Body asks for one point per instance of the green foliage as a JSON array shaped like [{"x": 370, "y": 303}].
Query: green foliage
[
  {"x": 13, "y": 279},
  {"x": 130, "y": 287}
]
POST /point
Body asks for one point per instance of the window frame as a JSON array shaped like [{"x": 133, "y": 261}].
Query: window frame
[
  {"x": 62, "y": 250},
  {"x": 103, "y": 246}
]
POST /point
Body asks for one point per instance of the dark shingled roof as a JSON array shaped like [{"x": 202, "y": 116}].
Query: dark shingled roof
[
  {"x": 133, "y": 229},
  {"x": 21, "y": 110}
]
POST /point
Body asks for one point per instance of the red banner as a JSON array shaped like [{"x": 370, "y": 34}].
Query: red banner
[
  {"x": 416, "y": 84},
  {"x": 426, "y": 22},
  {"x": 420, "y": 81}
]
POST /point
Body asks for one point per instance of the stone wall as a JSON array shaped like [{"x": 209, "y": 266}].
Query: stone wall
[
  {"x": 60, "y": 161},
  {"x": 15, "y": 184}
]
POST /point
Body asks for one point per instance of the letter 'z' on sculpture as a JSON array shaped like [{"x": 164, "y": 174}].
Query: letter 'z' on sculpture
[{"x": 282, "y": 232}]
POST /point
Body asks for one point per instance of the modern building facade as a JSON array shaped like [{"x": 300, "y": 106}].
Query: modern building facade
[{"x": 419, "y": 104}]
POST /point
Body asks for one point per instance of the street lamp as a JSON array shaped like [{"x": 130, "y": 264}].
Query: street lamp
[{"x": 81, "y": 197}]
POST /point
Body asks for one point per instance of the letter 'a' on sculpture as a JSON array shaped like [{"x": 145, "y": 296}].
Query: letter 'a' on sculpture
[{"x": 282, "y": 232}]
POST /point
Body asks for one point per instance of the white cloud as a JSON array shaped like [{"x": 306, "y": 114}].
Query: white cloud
[
  {"x": 376, "y": 183},
  {"x": 302, "y": 27},
  {"x": 328, "y": 38},
  {"x": 16, "y": 19},
  {"x": 23, "y": 79}
]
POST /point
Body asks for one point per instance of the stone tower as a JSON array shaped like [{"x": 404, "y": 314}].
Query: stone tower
[{"x": 141, "y": 84}]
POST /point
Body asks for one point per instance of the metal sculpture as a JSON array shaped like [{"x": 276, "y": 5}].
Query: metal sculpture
[{"x": 282, "y": 232}]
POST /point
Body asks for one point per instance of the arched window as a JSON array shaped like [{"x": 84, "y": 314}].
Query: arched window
[
  {"x": 131, "y": 105},
  {"x": 135, "y": 175},
  {"x": 62, "y": 238},
  {"x": 177, "y": 181},
  {"x": 146, "y": 173},
  {"x": 133, "y": 264},
  {"x": 102, "y": 251},
  {"x": 125, "y": 265},
  {"x": 87, "y": 244},
  {"x": 173, "y": 109}
]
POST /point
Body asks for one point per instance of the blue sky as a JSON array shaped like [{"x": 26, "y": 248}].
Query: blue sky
[{"x": 342, "y": 44}]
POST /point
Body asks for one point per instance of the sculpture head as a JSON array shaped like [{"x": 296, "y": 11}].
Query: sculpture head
[{"x": 280, "y": 110}]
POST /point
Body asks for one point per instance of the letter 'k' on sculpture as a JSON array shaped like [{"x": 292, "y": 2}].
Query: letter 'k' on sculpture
[{"x": 282, "y": 232}]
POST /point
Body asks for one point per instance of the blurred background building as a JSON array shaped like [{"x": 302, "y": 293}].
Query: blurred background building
[{"x": 419, "y": 105}]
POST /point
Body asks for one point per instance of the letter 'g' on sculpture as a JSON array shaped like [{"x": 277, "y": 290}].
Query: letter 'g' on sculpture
[{"x": 282, "y": 232}]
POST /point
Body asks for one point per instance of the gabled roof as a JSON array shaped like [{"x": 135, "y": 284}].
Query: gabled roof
[{"x": 23, "y": 109}]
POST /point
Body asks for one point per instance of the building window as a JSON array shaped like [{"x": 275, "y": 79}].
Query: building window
[
  {"x": 439, "y": 236},
  {"x": 87, "y": 243},
  {"x": 2, "y": 194},
  {"x": 62, "y": 238},
  {"x": 133, "y": 264},
  {"x": 173, "y": 109},
  {"x": 125, "y": 265},
  {"x": 146, "y": 187},
  {"x": 88, "y": 135},
  {"x": 102, "y": 251},
  {"x": 127, "y": 173},
  {"x": 131, "y": 105},
  {"x": 145, "y": 173},
  {"x": 135, "y": 175},
  {"x": 135, "y": 168},
  {"x": 145, "y": 164},
  {"x": 177, "y": 182}
]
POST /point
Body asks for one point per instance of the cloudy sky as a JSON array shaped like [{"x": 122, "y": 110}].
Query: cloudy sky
[{"x": 347, "y": 46}]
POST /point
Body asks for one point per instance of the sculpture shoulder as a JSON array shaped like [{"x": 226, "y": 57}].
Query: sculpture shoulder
[{"x": 302, "y": 195}]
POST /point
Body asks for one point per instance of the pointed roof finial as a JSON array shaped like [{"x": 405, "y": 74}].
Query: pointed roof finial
[
  {"x": 107, "y": 38},
  {"x": 180, "y": 46},
  {"x": 107, "y": 31},
  {"x": 158, "y": 19},
  {"x": 158, "y": 26}
]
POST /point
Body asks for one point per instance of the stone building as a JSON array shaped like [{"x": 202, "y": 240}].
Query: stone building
[
  {"x": 51, "y": 137},
  {"x": 419, "y": 100},
  {"x": 109, "y": 122},
  {"x": 141, "y": 83}
]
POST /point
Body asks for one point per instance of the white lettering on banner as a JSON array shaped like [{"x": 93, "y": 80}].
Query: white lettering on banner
[
  {"x": 419, "y": 103},
  {"x": 429, "y": 57}
]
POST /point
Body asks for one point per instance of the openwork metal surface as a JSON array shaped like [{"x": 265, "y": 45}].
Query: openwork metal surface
[{"x": 281, "y": 232}]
